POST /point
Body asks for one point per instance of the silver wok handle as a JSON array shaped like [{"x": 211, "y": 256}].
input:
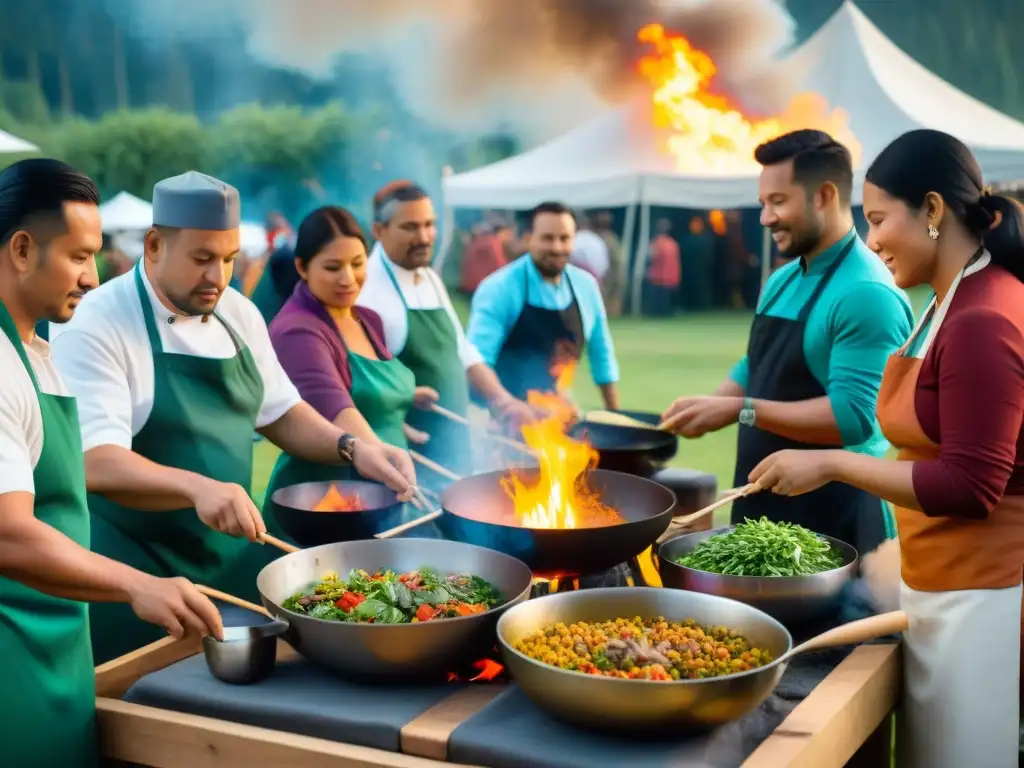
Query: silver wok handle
[{"x": 854, "y": 632}]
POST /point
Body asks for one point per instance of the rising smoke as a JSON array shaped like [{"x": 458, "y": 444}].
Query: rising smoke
[{"x": 538, "y": 66}]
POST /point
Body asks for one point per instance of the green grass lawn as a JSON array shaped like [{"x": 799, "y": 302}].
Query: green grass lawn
[{"x": 659, "y": 361}]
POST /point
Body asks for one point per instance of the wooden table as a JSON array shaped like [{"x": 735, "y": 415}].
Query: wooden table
[{"x": 846, "y": 720}]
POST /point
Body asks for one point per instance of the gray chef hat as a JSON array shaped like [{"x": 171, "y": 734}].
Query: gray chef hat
[{"x": 194, "y": 200}]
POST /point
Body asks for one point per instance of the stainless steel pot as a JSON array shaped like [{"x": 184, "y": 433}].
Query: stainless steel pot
[{"x": 792, "y": 600}]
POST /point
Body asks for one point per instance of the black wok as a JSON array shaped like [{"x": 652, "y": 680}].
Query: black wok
[
  {"x": 292, "y": 507},
  {"x": 392, "y": 652},
  {"x": 471, "y": 503},
  {"x": 633, "y": 450}
]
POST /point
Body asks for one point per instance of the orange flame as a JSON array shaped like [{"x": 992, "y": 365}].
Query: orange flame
[
  {"x": 335, "y": 501},
  {"x": 559, "y": 498},
  {"x": 717, "y": 221},
  {"x": 489, "y": 669},
  {"x": 709, "y": 133}
]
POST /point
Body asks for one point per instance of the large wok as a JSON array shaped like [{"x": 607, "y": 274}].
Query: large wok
[
  {"x": 635, "y": 706},
  {"x": 478, "y": 511},
  {"x": 633, "y": 450},
  {"x": 790, "y": 599},
  {"x": 391, "y": 652}
]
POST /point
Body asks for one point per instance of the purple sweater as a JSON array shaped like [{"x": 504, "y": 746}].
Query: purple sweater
[{"x": 313, "y": 354}]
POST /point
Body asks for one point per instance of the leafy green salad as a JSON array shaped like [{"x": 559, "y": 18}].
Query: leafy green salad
[{"x": 389, "y": 597}]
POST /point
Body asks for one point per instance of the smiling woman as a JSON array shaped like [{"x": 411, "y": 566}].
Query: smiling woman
[{"x": 334, "y": 352}]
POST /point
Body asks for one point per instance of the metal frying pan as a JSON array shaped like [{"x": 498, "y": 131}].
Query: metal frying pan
[
  {"x": 636, "y": 706},
  {"x": 633, "y": 450},
  {"x": 392, "y": 652},
  {"x": 293, "y": 508},
  {"x": 478, "y": 511}
]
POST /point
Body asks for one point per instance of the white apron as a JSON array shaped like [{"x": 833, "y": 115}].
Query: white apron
[{"x": 961, "y": 655}]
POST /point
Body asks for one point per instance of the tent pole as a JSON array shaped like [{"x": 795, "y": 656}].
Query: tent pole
[
  {"x": 448, "y": 227},
  {"x": 628, "y": 235},
  {"x": 766, "y": 256},
  {"x": 640, "y": 264}
]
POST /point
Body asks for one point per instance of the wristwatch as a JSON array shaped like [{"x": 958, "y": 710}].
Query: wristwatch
[
  {"x": 747, "y": 413},
  {"x": 347, "y": 447}
]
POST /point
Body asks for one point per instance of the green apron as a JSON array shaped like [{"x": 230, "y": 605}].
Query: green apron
[
  {"x": 431, "y": 352},
  {"x": 48, "y": 694},
  {"x": 204, "y": 413},
  {"x": 382, "y": 391},
  {"x": 264, "y": 295}
]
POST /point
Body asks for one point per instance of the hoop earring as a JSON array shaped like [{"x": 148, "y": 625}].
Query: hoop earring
[{"x": 933, "y": 232}]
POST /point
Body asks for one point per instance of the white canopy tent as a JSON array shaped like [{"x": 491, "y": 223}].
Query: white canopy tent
[
  {"x": 615, "y": 161},
  {"x": 126, "y": 213},
  {"x": 10, "y": 145}
]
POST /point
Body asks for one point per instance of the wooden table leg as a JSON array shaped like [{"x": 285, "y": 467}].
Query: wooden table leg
[{"x": 876, "y": 752}]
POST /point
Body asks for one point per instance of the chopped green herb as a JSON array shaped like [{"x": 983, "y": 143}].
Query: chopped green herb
[{"x": 763, "y": 548}]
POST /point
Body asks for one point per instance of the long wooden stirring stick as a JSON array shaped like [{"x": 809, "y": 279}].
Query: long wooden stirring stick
[
  {"x": 496, "y": 438},
  {"x": 410, "y": 525},
  {"x": 224, "y": 597},
  {"x": 726, "y": 498},
  {"x": 273, "y": 541},
  {"x": 433, "y": 465}
]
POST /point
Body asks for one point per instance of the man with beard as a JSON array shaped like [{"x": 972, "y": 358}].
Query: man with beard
[
  {"x": 49, "y": 234},
  {"x": 422, "y": 329},
  {"x": 534, "y": 316},
  {"x": 825, "y": 325},
  {"x": 173, "y": 371}
]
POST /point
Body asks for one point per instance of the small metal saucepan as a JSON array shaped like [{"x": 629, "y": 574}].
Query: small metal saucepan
[{"x": 247, "y": 654}]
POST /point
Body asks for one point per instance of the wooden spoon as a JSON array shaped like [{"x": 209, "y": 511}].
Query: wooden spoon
[{"x": 727, "y": 497}]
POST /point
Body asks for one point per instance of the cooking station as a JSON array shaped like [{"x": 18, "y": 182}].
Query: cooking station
[{"x": 161, "y": 707}]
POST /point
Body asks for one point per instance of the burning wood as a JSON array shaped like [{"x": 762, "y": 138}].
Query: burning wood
[
  {"x": 707, "y": 132},
  {"x": 335, "y": 501}
]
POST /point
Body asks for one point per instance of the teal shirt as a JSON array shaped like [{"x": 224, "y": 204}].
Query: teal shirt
[{"x": 860, "y": 319}]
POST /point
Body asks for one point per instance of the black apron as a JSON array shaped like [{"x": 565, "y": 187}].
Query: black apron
[
  {"x": 779, "y": 372},
  {"x": 540, "y": 342}
]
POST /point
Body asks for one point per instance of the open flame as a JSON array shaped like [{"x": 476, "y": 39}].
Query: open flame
[
  {"x": 707, "y": 132},
  {"x": 335, "y": 501},
  {"x": 559, "y": 497},
  {"x": 487, "y": 670}
]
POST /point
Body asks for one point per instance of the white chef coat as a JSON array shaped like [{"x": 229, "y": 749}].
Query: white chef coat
[
  {"x": 422, "y": 289},
  {"x": 105, "y": 356},
  {"x": 21, "y": 421},
  {"x": 590, "y": 252}
]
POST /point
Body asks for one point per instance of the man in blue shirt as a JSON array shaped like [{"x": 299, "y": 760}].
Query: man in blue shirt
[
  {"x": 533, "y": 317},
  {"x": 825, "y": 326}
]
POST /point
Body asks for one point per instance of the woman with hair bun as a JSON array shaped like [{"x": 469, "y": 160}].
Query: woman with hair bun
[{"x": 952, "y": 402}]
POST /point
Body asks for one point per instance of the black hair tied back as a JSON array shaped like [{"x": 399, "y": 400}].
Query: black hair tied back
[
  {"x": 924, "y": 161},
  {"x": 1005, "y": 239}
]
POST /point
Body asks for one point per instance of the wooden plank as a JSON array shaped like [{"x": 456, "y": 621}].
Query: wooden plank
[
  {"x": 158, "y": 738},
  {"x": 427, "y": 735},
  {"x": 828, "y": 727},
  {"x": 117, "y": 676}
]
